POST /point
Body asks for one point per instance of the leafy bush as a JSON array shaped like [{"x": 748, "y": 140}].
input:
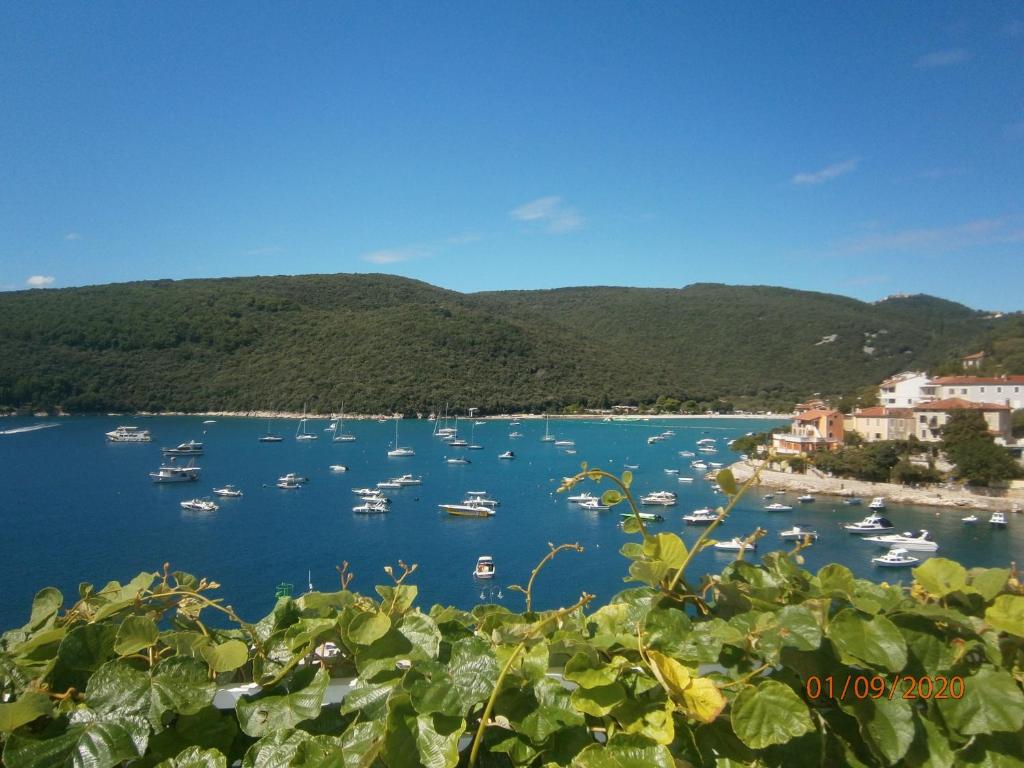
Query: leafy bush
[{"x": 766, "y": 665}]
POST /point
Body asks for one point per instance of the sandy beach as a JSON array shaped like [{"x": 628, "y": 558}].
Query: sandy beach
[{"x": 956, "y": 497}]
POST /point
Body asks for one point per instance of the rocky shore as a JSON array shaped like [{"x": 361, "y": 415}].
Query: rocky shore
[{"x": 934, "y": 495}]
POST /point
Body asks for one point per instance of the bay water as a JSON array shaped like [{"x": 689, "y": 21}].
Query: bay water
[{"x": 75, "y": 507}]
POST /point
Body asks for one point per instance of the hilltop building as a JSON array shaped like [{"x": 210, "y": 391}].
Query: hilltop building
[
  {"x": 906, "y": 390},
  {"x": 973, "y": 362}
]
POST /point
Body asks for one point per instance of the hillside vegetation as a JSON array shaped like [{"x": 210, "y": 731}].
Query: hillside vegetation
[{"x": 383, "y": 343}]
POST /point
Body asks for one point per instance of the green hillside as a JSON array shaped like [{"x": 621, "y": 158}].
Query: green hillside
[{"x": 382, "y": 343}]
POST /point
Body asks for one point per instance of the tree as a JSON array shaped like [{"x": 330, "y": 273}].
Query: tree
[
  {"x": 970, "y": 447},
  {"x": 1017, "y": 423},
  {"x": 964, "y": 425}
]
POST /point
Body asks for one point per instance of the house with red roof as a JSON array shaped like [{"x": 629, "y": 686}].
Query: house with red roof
[
  {"x": 930, "y": 418},
  {"x": 819, "y": 429},
  {"x": 881, "y": 423}
]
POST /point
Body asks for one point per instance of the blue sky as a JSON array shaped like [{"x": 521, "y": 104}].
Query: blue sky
[{"x": 857, "y": 148}]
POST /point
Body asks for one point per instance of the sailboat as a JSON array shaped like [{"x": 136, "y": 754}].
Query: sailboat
[
  {"x": 339, "y": 432},
  {"x": 548, "y": 437},
  {"x": 472, "y": 442},
  {"x": 301, "y": 433},
  {"x": 456, "y": 441},
  {"x": 398, "y": 450},
  {"x": 270, "y": 437}
]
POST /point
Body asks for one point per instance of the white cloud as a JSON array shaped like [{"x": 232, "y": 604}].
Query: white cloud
[
  {"x": 970, "y": 234},
  {"x": 551, "y": 213},
  {"x": 72, "y": 236},
  {"x": 394, "y": 255},
  {"x": 810, "y": 178},
  {"x": 40, "y": 281},
  {"x": 944, "y": 58}
]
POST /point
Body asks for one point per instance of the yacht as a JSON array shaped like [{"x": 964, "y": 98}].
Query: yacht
[
  {"x": 668, "y": 433},
  {"x": 456, "y": 460},
  {"x": 484, "y": 567},
  {"x": 708, "y": 449},
  {"x": 514, "y": 435},
  {"x": 776, "y": 507},
  {"x": 478, "y": 423},
  {"x": 340, "y": 436},
  {"x": 399, "y": 450},
  {"x": 300, "y": 432},
  {"x": 671, "y": 471},
  {"x": 199, "y": 505},
  {"x": 650, "y": 517},
  {"x": 129, "y": 435},
  {"x": 480, "y": 497},
  {"x": 364, "y": 491},
  {"x": 700, "y": 466},
  {"x": 970, "y": 519},
  {"x": 998, "y": 518},
  {"x": 388, "y": 484},
  {"x": 291, "y": 477},
  {"x": 404, "y": 480},
  {"x": 685, "y": 480},
  {"x": 896, "y": 557},
  {"x": 507, "y": 455},
  {"x": 172, "y": 474},
  {"x": 228, "y": 491},
  {"x": 287, "y": 485},
  {"x": 736, "y": 545},
  {"x": 191, "y": 448},
  {"x": 796, "y": 533},
  {"x": 877, "y": 503},
  {"x": 661, "y": 498},
  {"x": 564, "y": 443},
  {"x": 338, "y": 468},
  {"x": 370, "y": 508},
  {"x": 870, "y": 524},
  {"x": 687, "y": 454},
  {"x": 919, "y": 543},
  {"x": 703, "y": 516},
  {"x": 594, "y": 505},
  {"x": 707, "y": 441},
  {"x": 467, "y": 510},
  {"x": 805, "y": 499},
  {"x": 270, "y": 437},
  {"x": 655, "y": 439},
  {"x": 580, "y": 498},
  {"x": 548, "y": 437}
]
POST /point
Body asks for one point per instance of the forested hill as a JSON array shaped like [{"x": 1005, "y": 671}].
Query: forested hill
[{"x": 382, "y": 343}]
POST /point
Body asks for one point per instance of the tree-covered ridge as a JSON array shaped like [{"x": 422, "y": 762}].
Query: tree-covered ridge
[{"x": 381, "y": 343}]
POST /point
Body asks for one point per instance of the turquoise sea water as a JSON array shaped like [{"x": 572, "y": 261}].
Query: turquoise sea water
[{"x": 77, "y": 508}]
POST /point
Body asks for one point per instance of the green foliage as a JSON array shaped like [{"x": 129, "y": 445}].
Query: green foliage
[
  {"x": 746, "y": 668},
  {"x": 278, "y": 342},
  {"x": 871, "y": 461},
  {"x": 969, "y": 446}
]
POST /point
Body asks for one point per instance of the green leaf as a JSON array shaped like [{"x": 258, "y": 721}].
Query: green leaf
[
  {"x": 667, "y": 548},
  {"x": 627, "y": 478},
  {"x": 625, "y": 752},
  {"x": 611, "y": 497},
  {"x": 422, "y": 632},
  {"x": 177, "y": 684},
  {"x": 887, "y": 725},
  {"x": 134, "y": 634},
  {"x": 875, "y": 642},
  {"x": 727, "y": 482},
  {"x": 797, "y": 628},
  {"x": 702, "y": 700},
  {"x": 437, "y": 740},
  {"x": 368, "y": 698},
  {"x": 83, "y": 650},
  {"x": 989, "y": 582},
  {"x": 650, "y": 719},
  {"x": 587, "y": 671},
  {"x": 473, "y": 669},
  {"x": 1007, "y": 614},
  {"x": 631, "y": 525},
  {"x": 45, "y": 605},
  {"x": 941, "y": 577},
  {"x": 598, "y": 701},
  {"x": 553, "y": 711},
  {"x": 836, "y": 578},
  {"x": 770, "y": 713},
  {"x": 96, "y": 744},
  {"x": 28, "y": 707},
  {"x": 195, "y": 757},
  {"x": 649, "y": 572},
  {"x": 672, "y": 675},
  {"x": 397, "y": 599},
  {"x": 275, "y": 749},
  {"x": 992, "y": 701},
  {"x": 361, "y": 743},
  {"x": 284, "y": 706},
  {"x": 368, "y": 627},
  {"x": 226, "y": 656}
]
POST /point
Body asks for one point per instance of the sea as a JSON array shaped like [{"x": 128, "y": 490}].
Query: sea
[{"x": 77, "y": 508}]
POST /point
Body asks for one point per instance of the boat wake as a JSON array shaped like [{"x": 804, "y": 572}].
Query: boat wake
[{"x": 32, "y": 428}]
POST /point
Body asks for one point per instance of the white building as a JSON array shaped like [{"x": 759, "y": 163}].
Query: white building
[
  {"x": 905, "y": 390},
  {"x": 1006, "y": 390}
]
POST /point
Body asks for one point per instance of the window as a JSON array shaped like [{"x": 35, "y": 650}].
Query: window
[
  {"x": 963, "y": 391},
  {"x": 950, "y": 391},
  {"x": 999, "y": 389},
  {"x": 923, "y": 419},
  {"x": 981, "y": 389}
]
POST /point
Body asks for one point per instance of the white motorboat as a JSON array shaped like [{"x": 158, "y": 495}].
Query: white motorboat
[
  {"x": 707, "y": 449},
  {"x": 970, "y": 519},
  {"x": 399, "y": 451},
  {"x": 199, "y": 505},
  {"x": 998, "y": 519},
  {"x": 291, "y": 477},
  {"x": 480, "y": 497},
  {"x": 687, "y": 454},
  {"x": 704, "y": 516},
  {"x": 375, "y": 498},
  {"x": 685, "y": 480},
  {"x": 407, "y": 480},
  {"x": 655, "y": 439},
  {"x": 631, "y": 466},
  {"x": 456, "y": 460},
  {"x": 287, "y": 486},
  {"x": 671, "y": 471},
  {"x": 507, "y": 455},
  {"x": 191, "y": 448},
  {"x": 458, "y": 442},
  {"x": 659, "y": 498},
  {"x": 172, "y": 474},
  {"x": 339, "y": 468},
  {"x": 877, "y": 503},
  {"x": 478, "y": 423},
  {"x": 853, "y": 501},
  {"x": 715, "y": 464},
  {"x": 388, "y": 484},
  {"x": 897, "y": 557},
  {"x": 700, "y": 466},
  {"x": 594, "y": 505},
  {"x": 580, "y": 498},
  {"x": 919, "y": 543},
  {"x": 364, "y": 491},
  {"x": 228, "y": 491},
  {"x": 736, "y": 545},
  {"x": 485, "y": 568},
  {"x": 796, "y": 533},
  {"x": 370, "y": 508},
  {"x": 650, "y": 517},
  {"x": 776, "y": 507},
  {"x": 707, "y": 441},
  {"x": 210, "y": 421},
  {"x": 870, "y": 524},
  {"x": 129, "y": 435},
  {"x": 805, "y": 499},
  {"x": 514, "y": 435},
  {"x": 564, "y": 443}
]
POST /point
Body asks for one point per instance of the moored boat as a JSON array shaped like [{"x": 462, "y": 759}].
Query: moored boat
[
  {"x": 805, "y": 499},
  {"x": 796, "y": 533},
  {"x": 877, "y": 503},
  {"x": 467, "y": 510},
  {"x": 736, "y": 544},
  {"x": 228, "y": 491},
  {"x": 485, "y": 568},
  {"x": 920, "y": 543},
  {"x": 703, "y": 516},
  {"x": 897, "y": 557},
  {"x": 998, "y": 519},
  {"x": 507, "y": 455},
  {"x": 199, "y": 505},
  {"x": 870, "y": 524},
  {"x": 652, "y": 517},
  {"x": 169, "y": 473},
  {"x": 777, "y": 507},
  {"x": 125, "y": 434}
]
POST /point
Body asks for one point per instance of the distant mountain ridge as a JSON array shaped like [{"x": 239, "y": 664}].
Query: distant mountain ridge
[{"x": 383, "y": 343}]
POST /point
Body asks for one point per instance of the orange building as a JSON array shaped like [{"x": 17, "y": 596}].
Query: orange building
[{"x": 819, "y": 429}]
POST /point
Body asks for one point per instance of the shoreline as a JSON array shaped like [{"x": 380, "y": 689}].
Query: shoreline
[
  {"x": 378, "y": 416},
  {"x": 962, "y": 498}
]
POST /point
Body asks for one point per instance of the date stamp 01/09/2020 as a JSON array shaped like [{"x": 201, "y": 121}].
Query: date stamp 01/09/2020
[{"x": 848, "y": 687}]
